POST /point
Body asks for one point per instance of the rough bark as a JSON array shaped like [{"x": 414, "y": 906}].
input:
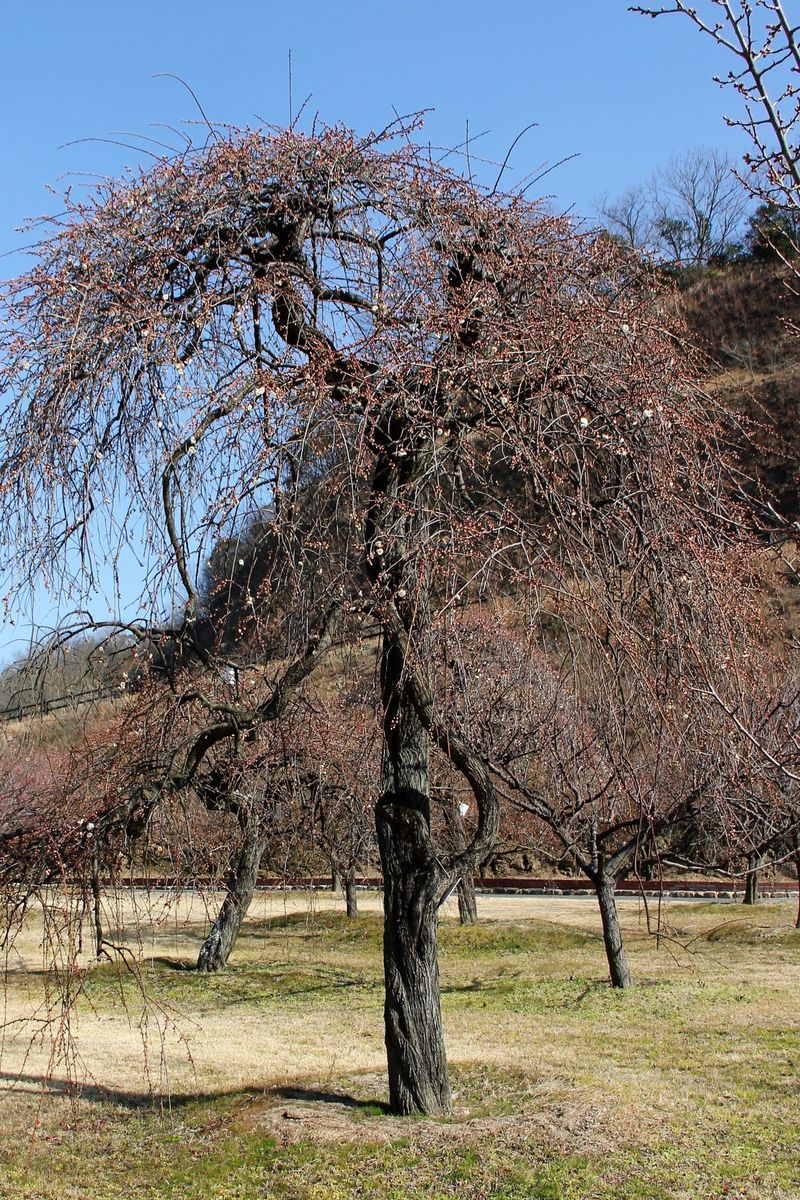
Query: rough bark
[
  {"x": 350, "y": 895},
  {"x": 418, "y": 1079},
  {"x": 619, "y": 969},
  {"x": 754, "y": 864},
  {"x": 219, "y": 943},
  {"x": 412, "y": 881},
  {"x": 467, "y": 904}
]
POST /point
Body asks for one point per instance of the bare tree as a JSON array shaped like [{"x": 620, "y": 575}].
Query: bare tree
[
  {"x": 436, "y": 393},
  {"x": 689, "y": 213},
  {"x": 759, "y": 701},
  {"x": 263, "y": 791},
  {"x": 342, "y": 745},
  {"x": 699, "y": 206},
  {"x": 763, "y": 43},
  {"x": 612, "y": 754},
  {"x": 629, "y": 217}
]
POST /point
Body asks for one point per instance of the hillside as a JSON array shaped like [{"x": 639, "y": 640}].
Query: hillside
[
  {"x": 746, "y": 318},
  {"x": 745, "y": 321}
]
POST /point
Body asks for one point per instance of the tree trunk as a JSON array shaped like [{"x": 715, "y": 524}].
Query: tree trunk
[
  {"x": 412, "y": 885},
  {"x": 467, "y": 904},
  {"x": 754, "y": 863},
  {"x": 350, "y": 896},
  {"x": 612, "y": 936},
  {"x": 797, "y": 868},
  {"x": 418, "y": 1079},
  {"x": 97, "y": 912},
  {"x": 219, "y": 943}
]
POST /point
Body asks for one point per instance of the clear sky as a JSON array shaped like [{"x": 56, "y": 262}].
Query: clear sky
[{"x": 621, "y": 92}]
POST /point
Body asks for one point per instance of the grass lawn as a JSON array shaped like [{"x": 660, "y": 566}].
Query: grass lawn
[{"x": 269, "y": 1080}]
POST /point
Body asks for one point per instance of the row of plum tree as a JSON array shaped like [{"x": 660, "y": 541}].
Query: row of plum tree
[{"x": 299, "y": 802}]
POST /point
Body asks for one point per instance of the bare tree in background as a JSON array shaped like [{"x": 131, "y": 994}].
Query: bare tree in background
[
  {"x": 699, "y": 207},
  {"x": 613, "y": 754},
  {"x": 689, "y": 213},
  {"x": 762, "y": 45},
  {"x": 759, "y": 701},
  {"x": 342, "y": 747},
  {"x": 629, "y": 218}
]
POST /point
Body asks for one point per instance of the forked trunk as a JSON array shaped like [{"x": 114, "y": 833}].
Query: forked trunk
[
  {"x": 350, "y": 896},
  {"x": 216, "y": 949},
  {"x": 412, "y": 885},
  {"x": 754, "y": 863},
  {"x": 612, "y": 935}
]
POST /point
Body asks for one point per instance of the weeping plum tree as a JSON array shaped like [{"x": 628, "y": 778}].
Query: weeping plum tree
[{"x": 431, "y": 394}]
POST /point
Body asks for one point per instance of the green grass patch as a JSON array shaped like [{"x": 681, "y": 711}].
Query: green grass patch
[
  {"x": 564, "y": 1089},
  {"x": 505, "y": 938},
  {"x": 171, "y": 982},
  {"x": 331, "y": 929}
]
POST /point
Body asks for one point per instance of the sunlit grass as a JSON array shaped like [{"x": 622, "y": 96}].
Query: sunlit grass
[{"x": 685, "y": 1087}]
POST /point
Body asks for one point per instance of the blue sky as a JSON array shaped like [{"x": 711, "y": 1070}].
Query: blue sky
[{"x": 620, "y": 92}]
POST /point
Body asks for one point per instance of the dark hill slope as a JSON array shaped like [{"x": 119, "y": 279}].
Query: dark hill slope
[{"x": 746, "y": 318}]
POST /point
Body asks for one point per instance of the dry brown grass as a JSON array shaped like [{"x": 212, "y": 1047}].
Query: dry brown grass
[
  {"x": 191, "y": 1049},
  {"x": 280, "y": 1062}
]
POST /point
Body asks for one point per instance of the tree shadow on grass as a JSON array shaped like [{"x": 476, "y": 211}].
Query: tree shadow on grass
[
  {"x": 318, "y": 1096},
  {"x": 176, "y": 964},
  {"x": 136, "y": 1101},
  {"x": 44, "y": 1085},
  {"x": 246, "y": 983},
  {"x": 503, "y": 982}
]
